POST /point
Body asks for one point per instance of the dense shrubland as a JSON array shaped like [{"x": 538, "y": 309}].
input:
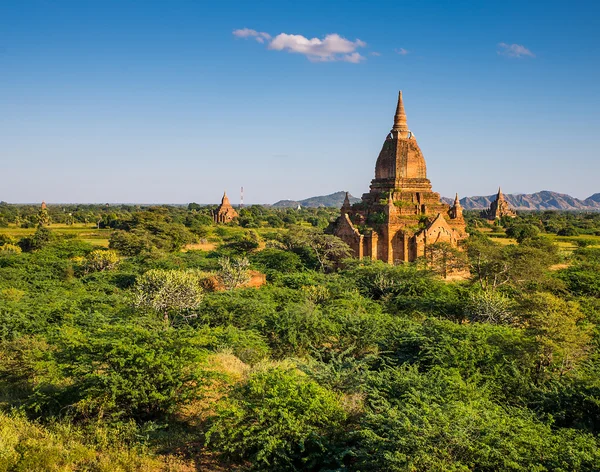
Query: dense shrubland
[{"x": 146, "y": 357}]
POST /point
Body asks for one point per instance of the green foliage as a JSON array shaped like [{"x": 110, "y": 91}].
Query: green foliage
[
  {"x": 279, "y": 420},
  {"x": 562, "y": 339},
  {"x": 522, "y": 232},
  {"x": 99, "y": 260},
  {"x": 243, "y": 244},
  {"x": 130, "y": 243},
  {"x": 28, "y": 446},
  {"x": 277, "y": 260},
  {"x": 445, "y": 260},
  {"x": 582, "y": 276},
  {"x": 169, "y": 291},
  {"x": 10, "y": 249},
  {"x": 440, "y": 422},
  {"x": 121, "y": 371},
  {"x": 520, "y": 267},
  {"x": 490, "y": 307},
  {"x": 39, "y": 240},
  {"x": 233, "y": 273},
  {"x": 326, "y": 250},
  {"x": 334, "y": 364}
]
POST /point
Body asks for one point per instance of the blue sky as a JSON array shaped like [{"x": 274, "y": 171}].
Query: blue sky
[{"x": 159, "y": 101}]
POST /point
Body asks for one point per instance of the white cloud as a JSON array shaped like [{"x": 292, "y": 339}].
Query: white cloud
[
  {"x": 514, "y": 50},
  {"x": 355, "y": 58},
  {"x": 332, "y": 47},
  {"x": 401, "y": 51},
  {"x": 250, "y": 33},
  {"x": 375, "y": 53}
]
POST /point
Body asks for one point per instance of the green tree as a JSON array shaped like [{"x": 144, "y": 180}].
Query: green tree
[
  {"x": 490, "y": 307},
  {"x": 40, "y": 239},
  {"x": 562, "y": 337},
  {"x": 328, "y": 250},
  {"x": 521, "y": 232},
  {"x": 279, "y": 419},
  {"x": 445, "y": 260},
  {"x": 169, "y": 292},
  {"x": 122, "y": 371},
  {"x": 494, "y": 266},
  {"x": 100, "y": 260},
  {"x": 43, "y": 217},
  {"x": 277, "y": 260},
  {"x": 233, "y": 273}
]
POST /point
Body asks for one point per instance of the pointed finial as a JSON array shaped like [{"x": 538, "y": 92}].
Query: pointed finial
[
  {"x": 225, "y": 199},
  {"x": 456, "y": 200},
  {"x": 400, "y": 116},
  {"x": 346, "y": 204},
  {"x": 500, "y": 193}
]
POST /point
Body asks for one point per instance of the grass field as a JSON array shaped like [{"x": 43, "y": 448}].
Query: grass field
[
  {"x": 99, "y": 237},
  {"x": 86, "y": 232},
  {"x": 567, "y": 244}
]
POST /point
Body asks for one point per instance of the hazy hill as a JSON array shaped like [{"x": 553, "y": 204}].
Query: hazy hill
[
  {"x": 593, "y": 200},
  {"x": 334, "y": 200}
]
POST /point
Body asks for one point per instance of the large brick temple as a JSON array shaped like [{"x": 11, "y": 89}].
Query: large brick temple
[{"x": 401, "y": 215}]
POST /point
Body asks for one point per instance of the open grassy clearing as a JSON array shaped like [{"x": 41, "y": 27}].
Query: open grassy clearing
[{"x": 85, "y": 232}]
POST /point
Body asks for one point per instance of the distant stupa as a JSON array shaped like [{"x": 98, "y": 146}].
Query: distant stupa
[
  {"x": 225, "y": 213},
  {"x": 499, "y": 208}
]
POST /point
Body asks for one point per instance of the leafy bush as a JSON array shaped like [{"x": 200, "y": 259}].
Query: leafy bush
[
  {"x": 279, "y": 419},
  {"x": 277, "y": 260},
  {"x": 121, "y": 371},
  {"x": 10, "y": 249},
  {"x": 100, "y": 260},
  {"x": 28, "y": 446},
  {"x": 440, "y": 422},
  {"x": 169, "y": 291}
]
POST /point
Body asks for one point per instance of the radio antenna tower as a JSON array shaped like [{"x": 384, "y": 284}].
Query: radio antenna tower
[{"x": 242, "y": 198}]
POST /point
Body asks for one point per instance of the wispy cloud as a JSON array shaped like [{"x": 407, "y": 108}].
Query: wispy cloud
[
  {"x": 401, "y": 51},
  {"x": 332, "y": 47},
  {"x": 250, "y": 33},
  {"x": 375, "y": 53},
  {"x": 514, "y": 50}
]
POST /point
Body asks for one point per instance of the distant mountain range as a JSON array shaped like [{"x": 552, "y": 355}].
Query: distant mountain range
[
  {"x": 544, "y": 200},
  {"x": 334, "y": 200}
]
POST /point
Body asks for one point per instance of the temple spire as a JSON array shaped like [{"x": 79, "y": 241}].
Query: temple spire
[
  {"x": 346, "y": 205},
  {"x": 225, "y": 199},
  {"x": 400, "y": 116},
  {"x": 500, "y": 195},
  {"x": 456, "y": 211}
]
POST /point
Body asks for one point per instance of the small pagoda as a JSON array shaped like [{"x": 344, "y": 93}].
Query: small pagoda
[
  {"x": 498, "y": 209},
  {"x": 225, "y": 212}
]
